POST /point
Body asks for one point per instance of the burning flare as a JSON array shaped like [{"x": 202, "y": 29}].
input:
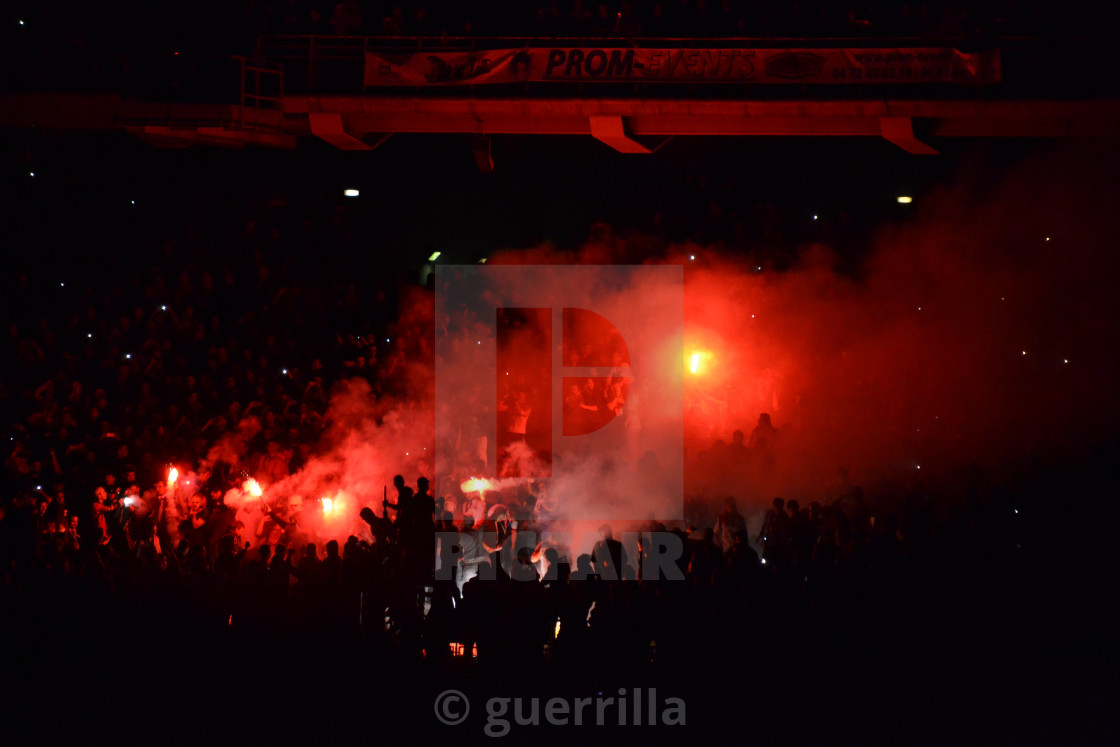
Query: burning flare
[
  {"x": 172, "y": 476},
  {"x": 698, "y": 361},
  {"x": 253, "y": 488},
  {"x": 476, "y": 485}
]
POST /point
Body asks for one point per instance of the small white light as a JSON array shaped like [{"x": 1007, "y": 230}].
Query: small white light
[
  {"x": 284, "y": 371},
  {"x": 62, "y": 285},
  {"x": 32, "y": 173},
  {"x": 764, "y": 561},
  {"x": 1047, "y": 238},
  {"x": 905, "y": 199},
  {"x": 917, "y": 466},
  {"x": 691, "y": 257},
  {"x": 128, "y": 356},
  {"x": 350, "y": 192},
  {"x": 1024, "y": 352},
  {"x": 433, "y": 256},
  {"x": 814, "y": 217},
  {"x": 387, "y": 339},
  {"x": 133, "y": 202},
  {"x": 164, "y": 308},
  {"x": 1016, "y": 510},
  {"x": 919, "y": 308},
  {"x": 482, "y": 261},
  {"x": 758, "y": 267},
  {"x": 21, "y": 22},
  {"x": 480, "y": 342},
  {"x": 1065, "y": 360},
  {"x": 89, "y": 335}
]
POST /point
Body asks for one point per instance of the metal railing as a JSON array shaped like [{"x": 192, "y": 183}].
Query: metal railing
[{"x": 262, "y": 88}]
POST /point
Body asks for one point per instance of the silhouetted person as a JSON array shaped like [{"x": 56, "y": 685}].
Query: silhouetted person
[
  {"x": 417, "y": 532},
  {"x": 728, "y": 524},
  {"x": 404, "y": 499},
  {"x": 608, "y": 556},
  {"x": 773, "y": 536},
  {"x": 764, "y": 435}
]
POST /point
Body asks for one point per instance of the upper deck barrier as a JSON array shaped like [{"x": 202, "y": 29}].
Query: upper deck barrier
[{"x": 743, "y": 67}]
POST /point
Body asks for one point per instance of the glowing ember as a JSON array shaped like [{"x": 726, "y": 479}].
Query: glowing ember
[
  {"x": 172, "y": 476},
  {"x": 556, "y": 630}
]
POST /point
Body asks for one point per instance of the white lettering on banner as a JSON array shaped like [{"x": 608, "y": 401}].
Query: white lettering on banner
[{"x": 765, "y": 66}]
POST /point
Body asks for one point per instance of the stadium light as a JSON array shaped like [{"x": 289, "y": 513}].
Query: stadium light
[{"x": 350, "y": 192}]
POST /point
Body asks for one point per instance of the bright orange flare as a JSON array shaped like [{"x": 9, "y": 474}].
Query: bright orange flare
[
  {"x": 328, "y": 505},
  {"x": 172, "y": 476},
  {"x": 253, "y": 488},
  {"x": 698, "y": 362},
  {"x": 476, "y": 485}
]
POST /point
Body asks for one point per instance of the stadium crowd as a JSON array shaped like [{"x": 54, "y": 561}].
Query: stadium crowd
[{"x": 134, "y": 373}]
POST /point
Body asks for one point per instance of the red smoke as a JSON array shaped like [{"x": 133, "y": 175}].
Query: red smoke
[{"x": 912, "y": 367}]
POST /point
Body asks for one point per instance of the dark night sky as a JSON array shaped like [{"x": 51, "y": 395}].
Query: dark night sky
[{"x": 421, "y": 193}]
